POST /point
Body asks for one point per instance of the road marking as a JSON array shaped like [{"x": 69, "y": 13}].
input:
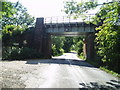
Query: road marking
[{"x": 77, "y": 73}]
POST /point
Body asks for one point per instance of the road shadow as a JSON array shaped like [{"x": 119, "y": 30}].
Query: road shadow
[
  {"x": 61, "y": 61},
  {"x": 32, "y": 62},
  {"x": 111, "y": 85}
]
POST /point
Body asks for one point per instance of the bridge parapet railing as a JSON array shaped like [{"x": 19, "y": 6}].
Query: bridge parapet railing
[{"x": 66, "y": 19}]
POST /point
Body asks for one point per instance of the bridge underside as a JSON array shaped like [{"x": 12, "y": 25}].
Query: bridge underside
[
  {"x": 69, "y": 27},
  {"x": 68, "y": 33}
]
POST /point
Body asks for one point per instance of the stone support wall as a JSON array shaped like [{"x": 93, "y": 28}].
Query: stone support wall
[
  {"x": 42, "y": 40},
  {"x": 47, "y": 46},
  {"x": 38, "y": 35},
  {"x": 88, "y": 48}
]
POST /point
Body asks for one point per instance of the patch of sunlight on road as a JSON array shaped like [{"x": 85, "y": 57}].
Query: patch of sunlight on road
[
  {"x": 71, "y": 56},
  {"x": 50, "y": 76}
]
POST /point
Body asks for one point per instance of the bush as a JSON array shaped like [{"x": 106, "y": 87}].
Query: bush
[
  {"x": 15, "y": 54},
  {"x": 57, "y": 52},
  {"x": 29, "y": 53},
  {"x": 21, "y": 53}
]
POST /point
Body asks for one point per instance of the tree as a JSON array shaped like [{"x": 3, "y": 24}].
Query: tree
[
  {"x": 57, "y": 45},
  {"x": 67, "y": 44},
  {"x": 15, "y": 14},
  {"x": 7, "y": 11},
  {"x": 15, "y": 20},
  {"x": 21, "y": 16},
  {"x": 108, "y": 36},
  {"x": 72, "y": 8},
  {"x": 10, "y": 34},
  {"x": 107, "y": 20}
]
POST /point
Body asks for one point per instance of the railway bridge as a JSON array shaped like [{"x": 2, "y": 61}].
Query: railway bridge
[{"x": 44, "y": 30}]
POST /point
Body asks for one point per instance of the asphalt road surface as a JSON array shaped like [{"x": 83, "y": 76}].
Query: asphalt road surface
[{"x": 66, "y": 71}]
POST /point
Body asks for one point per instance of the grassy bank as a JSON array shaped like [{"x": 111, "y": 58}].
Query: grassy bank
[{"x": 103, "y": 68}]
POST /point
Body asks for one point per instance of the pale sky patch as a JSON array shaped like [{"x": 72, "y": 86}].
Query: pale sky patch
[
  {"x": 46, "y": 8},
  {"x": 43, "y": 8}
]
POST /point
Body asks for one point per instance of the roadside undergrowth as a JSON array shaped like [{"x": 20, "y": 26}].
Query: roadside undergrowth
[{"x": 103, "y": 68}]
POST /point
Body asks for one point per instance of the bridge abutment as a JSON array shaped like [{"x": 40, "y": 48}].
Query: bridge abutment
[
  {"x": 88, "y": 48},
  {"x": 38, "y": 34},
  {"x": 42, "y": 40},
  {"x": 47, "y": 46}
]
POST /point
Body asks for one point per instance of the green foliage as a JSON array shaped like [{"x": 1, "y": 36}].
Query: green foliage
[
  {"x": 11, "y": 34},
  {"x": 108, "y": 31},
  {"x": 81, "y": 56},
  {"x": 67, "y": 44},
  {"x": 80, "y": 47},
  {"x": 108, "y": 36},
  {"x": 57, "y": 44},
  {"x": 14, "y": 34},
  {"x": 109, "y": 71},
  {"x": 16, "y": 53},
  {"x": 72, "y": 8},
  {"x": 57, "y": 51},
  {"x": 13, "y": 54},
  {"x": 21, "y": 16},
  {"x": 15, "y": 21},
  {"x": 73, "y": 44},
  {"x": 29, "y": 53},
  {"x": 15, "y": 14},
  {"x": 7, "y": 10},
  {"x": 108, "y": 14},
  {"x": 77, "y": 45}
]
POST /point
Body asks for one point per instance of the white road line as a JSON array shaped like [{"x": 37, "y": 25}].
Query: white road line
[{"x": 77, "y": 73}]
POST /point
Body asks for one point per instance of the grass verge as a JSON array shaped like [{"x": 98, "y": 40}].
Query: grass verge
[
  {"x": 104, "y": 69},
  {"x": 110, "y": 71}
]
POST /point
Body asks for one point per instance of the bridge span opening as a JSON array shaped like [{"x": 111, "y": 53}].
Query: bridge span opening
[{"x": 44, "y": 31}]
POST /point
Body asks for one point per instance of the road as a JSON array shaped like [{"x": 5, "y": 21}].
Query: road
[{"x": 66, "y": 71}]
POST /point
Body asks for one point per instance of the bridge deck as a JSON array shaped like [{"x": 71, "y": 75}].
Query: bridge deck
[{"x": 72, "y": 28}]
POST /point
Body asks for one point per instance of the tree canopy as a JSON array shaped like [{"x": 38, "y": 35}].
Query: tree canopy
[
  {"x": 15, "y": 14},
  {"x": 15, "y": 21},
  {"x": 107, "y": 20},
  {"x": 75, "y": 9}
]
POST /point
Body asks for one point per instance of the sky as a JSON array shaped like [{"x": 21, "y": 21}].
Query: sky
[{"x": 45, "y": 8}]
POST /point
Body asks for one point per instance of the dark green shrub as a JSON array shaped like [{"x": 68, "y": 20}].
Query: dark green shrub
[
  {"x": 29, "y": 53},
  {"x": 15, "y": 54},
  {"x": 21, "y": 53}
]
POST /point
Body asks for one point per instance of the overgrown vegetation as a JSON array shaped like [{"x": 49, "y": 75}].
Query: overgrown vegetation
[
  {"x": 15, "y": 22},
  {"x": 107, "y": 39},
  {"x": 15, "y": 14},
  {"x": 108, "y": 36},
  {"x": 61, "y": 44},
  {"x": 57, "y": 45},
  {"x": 16, "y": 53}
]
